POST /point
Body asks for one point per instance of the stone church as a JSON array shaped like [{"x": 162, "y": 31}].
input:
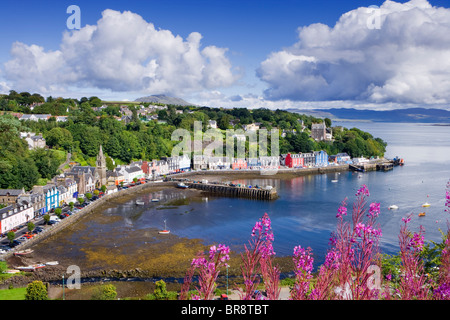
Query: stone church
[{"x": 89, "y": 178}]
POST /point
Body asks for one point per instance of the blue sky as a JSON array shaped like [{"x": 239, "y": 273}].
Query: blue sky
[{"x": 247, "y": 53}]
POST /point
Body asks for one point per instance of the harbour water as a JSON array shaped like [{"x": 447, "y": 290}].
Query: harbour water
[{"x": 305, "y": 213}]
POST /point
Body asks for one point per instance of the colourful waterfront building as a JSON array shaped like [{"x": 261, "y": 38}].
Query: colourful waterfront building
[
  {"x": 51, "y": 193},
  {"x": 294, "y": 160}
]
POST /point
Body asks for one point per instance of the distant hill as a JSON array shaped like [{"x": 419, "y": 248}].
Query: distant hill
[
  {"x": 398, "y": 115},
  {"x": 163, "y": 99}
]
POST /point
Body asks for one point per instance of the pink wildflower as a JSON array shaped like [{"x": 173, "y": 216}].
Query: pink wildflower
[
  {"x": 364, "y": 191},
  {"x": 342, "y": 211},
  {"x": 374, "y": 209}
]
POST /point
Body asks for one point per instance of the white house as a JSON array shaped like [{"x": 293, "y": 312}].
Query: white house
[
  {"x": 130, "y": 172},
  {"x": 219, "y": 163},
  {"x": 212, "y": 124},
  {"x": 34, "y": 141},
  {"x": 36, "y": 117},
  {"x": 184, "y": 163},
  {"x": 68, "y": 191},
  {"x": 269, "y": 162},
  {"x": 200, "y": 162},
  {"x": 11, "y": 217},
  {"x": 252, "y": 127}
]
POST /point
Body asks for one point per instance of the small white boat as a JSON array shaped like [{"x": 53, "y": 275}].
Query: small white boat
[
  {"x": 165, "y": 231},
  {"x": 155, "y": 200},
  {"x": 23, "y": 252},
  {"x": 31, "y": 268},
  {"x": 140, "y": 203},
  {"x": 334, "y": 181},
  {"x": 12, "y": 271},
  {"x": 393, "y": 207},
  {"x": 181, "y": 185},
  {"x": 52, "y": 263},
  {"x": 426, "y": 204}
]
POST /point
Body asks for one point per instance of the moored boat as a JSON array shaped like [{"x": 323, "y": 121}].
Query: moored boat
[
  {"x": 155, "y": 200},
  {"x": 12, "y": 271},
  {"x": 426, "y": 204},
  {"x": 422, "y": 214},
  {"x": 181, "y": 185},
  {"x": 52, "y": 263},
  {"x": 165, "y": 231},
  {"x": 140, "y": 203},
  {"x": 393, "y": 207},
  {"x": 31, "y": 268},
  {"x": 23, "y": 252}
]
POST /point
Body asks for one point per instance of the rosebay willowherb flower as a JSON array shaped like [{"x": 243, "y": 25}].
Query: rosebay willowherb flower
[
  {"x": 208, "y": 271},
  {"x": 413, "y": 279},
  {"x": 258, "y": 259},
  {"x": 303, "y": 264}
]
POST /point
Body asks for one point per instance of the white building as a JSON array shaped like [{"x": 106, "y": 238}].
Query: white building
[
  {"x": 11, "y": 217},
  {"x": 130, "y": 173},
  {"x": 199, "y": 162},
  {"x": 34, "y": 141},
  {"x": 184, "y": 162},
  {"x": 36, "y": 117},
  {"x": 212, "y": 124},
  {"x": 219, "y": 163},
  {"x": 252, "y": 127},
  {"x": 269, "y": 162},
  {"x": 67, "y": 192}
]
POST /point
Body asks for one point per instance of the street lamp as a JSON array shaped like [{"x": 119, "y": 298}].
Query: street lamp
[{"x": 227, "y": 278}]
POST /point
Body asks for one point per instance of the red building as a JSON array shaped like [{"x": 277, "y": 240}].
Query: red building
[
  {"x": 239, "y": 164},
  {"x": 294, "y": 160}
]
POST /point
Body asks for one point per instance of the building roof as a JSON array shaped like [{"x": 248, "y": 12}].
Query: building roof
[
  {"x": 318, "y": 126},
  {"x": 11, "y": 192},
  {"x": 78, "y": 169},
  {"x": 133, "y": 169}
]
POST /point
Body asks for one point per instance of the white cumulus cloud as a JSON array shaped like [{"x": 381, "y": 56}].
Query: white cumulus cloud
[
  {"x": 395, "y": 53},
  {"x": 122, "y": 52}
]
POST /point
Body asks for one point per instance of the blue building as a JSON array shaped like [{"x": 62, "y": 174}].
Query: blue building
[
  {"x": 321, "y": 158},
  {"x": 253, "y": 163},
  {"x": 51, "y": 193}
]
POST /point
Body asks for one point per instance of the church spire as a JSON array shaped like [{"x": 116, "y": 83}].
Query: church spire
[{"x": 101, "y": 167}]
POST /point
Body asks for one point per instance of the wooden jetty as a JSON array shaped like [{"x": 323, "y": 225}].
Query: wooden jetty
[{"x": 260, "y": 193}]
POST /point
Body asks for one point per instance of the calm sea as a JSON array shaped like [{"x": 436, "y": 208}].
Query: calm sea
[{"x": 305, "y": 214}]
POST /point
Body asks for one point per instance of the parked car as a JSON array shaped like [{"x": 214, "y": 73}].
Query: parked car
[
  {"x": 15, "y": 243},
  {"x": 37, "y": 230}
]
